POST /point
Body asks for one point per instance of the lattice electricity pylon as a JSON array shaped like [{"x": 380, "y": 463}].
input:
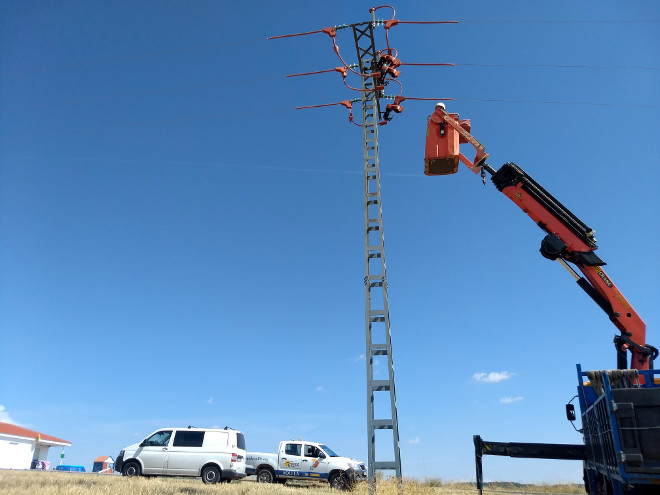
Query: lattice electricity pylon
[
  {"x": 377, "y": 314},
  {"x": 376, "y": 70}
]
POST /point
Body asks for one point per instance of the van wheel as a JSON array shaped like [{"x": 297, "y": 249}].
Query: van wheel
[
  {"x": 131, "y": 468},
  {"x": 338, "y": 481},
  {"x": 210, "y": 475},
  {"x": 265, "y": 475}
]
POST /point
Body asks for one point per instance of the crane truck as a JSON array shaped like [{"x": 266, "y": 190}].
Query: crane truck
[{"x": 620, "y": 408}]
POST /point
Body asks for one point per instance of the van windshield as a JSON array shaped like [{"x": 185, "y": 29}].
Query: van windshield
[
  {"x": 158, "y": 439},
  {"x": 329, "y": 451}
]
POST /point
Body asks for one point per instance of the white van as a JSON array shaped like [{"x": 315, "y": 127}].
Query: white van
[{"x": 214, "y": 454}]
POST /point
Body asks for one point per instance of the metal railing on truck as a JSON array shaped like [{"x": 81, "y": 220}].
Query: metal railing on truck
[{"x": 621, "y": 426}]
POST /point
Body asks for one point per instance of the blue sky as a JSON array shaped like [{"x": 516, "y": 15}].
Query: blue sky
[{"x": 179, "y": 246}]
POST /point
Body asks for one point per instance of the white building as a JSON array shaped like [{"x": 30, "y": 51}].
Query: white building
[{"x": 19, "y": 447}]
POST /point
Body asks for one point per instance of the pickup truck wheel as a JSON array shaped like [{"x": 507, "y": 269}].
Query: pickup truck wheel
[
  {"x": 338, "y": 481},
  {"x": 210, "y": 475},
  {"x": 265, "y": 475},
  {"x": 131, "y": 468}
]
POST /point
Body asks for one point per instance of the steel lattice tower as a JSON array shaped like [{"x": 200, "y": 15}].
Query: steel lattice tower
[
  {"x": 377, "y": 318},
  {"x": 375, "y": 67}
]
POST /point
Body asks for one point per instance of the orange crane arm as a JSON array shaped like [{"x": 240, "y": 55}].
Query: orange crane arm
[{"x": 567, "y": 239}]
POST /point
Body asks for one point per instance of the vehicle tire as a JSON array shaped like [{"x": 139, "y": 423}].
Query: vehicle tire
[
  {"x": 210, "y": 475},
  {"x": 131, "y": 468},
  {"x": 338, "y": 481},
  {"x": 265, "y": 475}
]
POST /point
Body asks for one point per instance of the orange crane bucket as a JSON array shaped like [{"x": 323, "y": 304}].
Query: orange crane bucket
[{"x": 442, "y": 145}]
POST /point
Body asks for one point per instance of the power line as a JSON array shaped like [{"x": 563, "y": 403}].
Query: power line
[
  {"x": 162, "y": 121},
  {"x": 525, "y": 66},
  {"x": 246, "y": 166},
  {"x": 133, "y": 57},
  {"x": 560, "y": 21},
  {"x": 209, "y": 163},
  {"x": 260, "y": 79},
  {"x": 286, "y": 109},
  {"x": 560, "y": 66},
  {"x": 142, "y": 93},
  {"x": 555, "y": 102},
  {"x": 240, "y": 42}
]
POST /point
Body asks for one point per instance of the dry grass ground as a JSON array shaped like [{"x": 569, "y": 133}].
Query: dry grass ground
[{"x": 60, "y": 483}]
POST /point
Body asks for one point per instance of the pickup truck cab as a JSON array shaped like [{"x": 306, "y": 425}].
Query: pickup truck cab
[{"x": 305, "y": 460}]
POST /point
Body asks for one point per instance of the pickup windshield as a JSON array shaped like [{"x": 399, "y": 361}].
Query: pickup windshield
[{"x": 329, "y": 451}]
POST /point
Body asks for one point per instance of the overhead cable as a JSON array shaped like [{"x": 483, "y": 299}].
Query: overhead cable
[
  {"x": 555, "y": 102},
  {"x": 136, "y": 56},
  {"x": 559, "y": 21}
]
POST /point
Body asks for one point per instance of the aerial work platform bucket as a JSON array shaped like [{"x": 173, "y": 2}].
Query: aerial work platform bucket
[{"x": 442, "y": 144}]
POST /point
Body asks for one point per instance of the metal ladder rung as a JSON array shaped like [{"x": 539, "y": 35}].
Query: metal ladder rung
[
  {"x": 380, "y": 385},
  {"x": 378, "y": 347}
]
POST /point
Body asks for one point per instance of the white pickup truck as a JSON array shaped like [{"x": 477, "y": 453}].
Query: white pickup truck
[{"x": 305, "y": 460}]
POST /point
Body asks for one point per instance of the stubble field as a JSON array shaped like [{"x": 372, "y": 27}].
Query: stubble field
[{"x": 60, "y": 483}]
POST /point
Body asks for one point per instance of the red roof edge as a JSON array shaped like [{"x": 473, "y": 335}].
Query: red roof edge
[{"x": 19, "y": 431}]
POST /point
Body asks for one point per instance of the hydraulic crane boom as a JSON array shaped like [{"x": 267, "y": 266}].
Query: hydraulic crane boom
[{"x": 567, "y": 240}]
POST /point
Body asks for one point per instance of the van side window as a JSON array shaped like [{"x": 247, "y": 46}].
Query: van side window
[
  {"x": 188, "y": 438},
  {"x": 159, "y": 439},
  {"x": 292, "y": 449}
]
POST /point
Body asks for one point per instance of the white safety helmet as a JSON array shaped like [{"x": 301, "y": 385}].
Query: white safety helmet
[{"x": 440, "y": 104}]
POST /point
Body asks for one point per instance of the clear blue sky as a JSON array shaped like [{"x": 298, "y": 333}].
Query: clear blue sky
[{"x": 179, "y": 246}]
